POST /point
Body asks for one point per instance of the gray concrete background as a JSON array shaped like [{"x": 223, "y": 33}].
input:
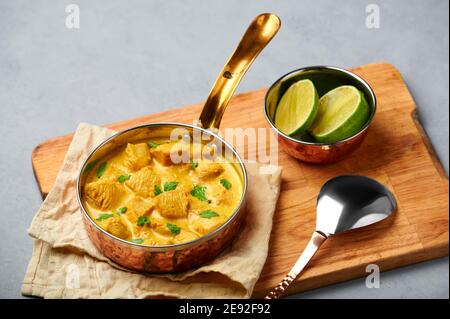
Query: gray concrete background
[{"x": 131, "y": 58}]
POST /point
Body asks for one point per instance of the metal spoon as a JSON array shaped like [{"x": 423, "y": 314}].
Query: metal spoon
[{"x": 344, "y": 203}]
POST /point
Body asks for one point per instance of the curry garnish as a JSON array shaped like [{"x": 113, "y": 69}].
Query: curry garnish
[
  {"x": 121, "y": 210},
  {"x": 142, "y": 221},
  {"x": 225, "y": 183},
  {"x": 90, "y": 166},
  {"x": 170, "y": 186},
  {"x": 174, "y": 229},
  {"x": 199, "y": 192},
  {"x": 208, "y": 214},
  {"x": 104, "y": 217},
  {"x": 152, "y": 144},
  {"x": 123, "y": 178},
  {"x": 194, "y": 164},
  {"x": 157, "y": 190},
  {"x": 137, "y": 240},
  {"x": 101, "y": 169}
]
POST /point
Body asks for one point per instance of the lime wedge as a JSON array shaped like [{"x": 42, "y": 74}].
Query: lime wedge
[
  {"x": 342, "y": 113},
  {"x": 297, "y": 108}
]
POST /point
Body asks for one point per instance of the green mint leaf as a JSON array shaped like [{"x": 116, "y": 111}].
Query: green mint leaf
[
  {"x": 152, "y": 144},
  {"x": 170, "y": 186},
  {"x": 101, "y": 169},
  {"x": 123, "y": 178},
  {"x": 157, "y": 190},
  {"x": 174, "y": 229},
  {"x": 142, "y": 221},
  {"x": 137, "y": 240},
  {"x": 103, "y": 217},
  {"x": 199, "y": 192},
  {"x": 225, "y": 183},
  {"x": 121, "y": 210},
  {"x": 90, "y": 166},
  {"x": 194, "y": 164},
  {"x": 208, "y": 214}
]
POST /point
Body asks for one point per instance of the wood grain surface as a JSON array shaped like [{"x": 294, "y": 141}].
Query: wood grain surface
[{"x": 396, "y": 152}]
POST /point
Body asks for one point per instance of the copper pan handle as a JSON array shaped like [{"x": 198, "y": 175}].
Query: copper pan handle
[
  {"x": 315, "y": 242},
  {"x": 262, "y": 29}
]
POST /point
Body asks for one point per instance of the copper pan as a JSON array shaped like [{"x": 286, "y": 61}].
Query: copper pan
[{"x": 180, "y": 257}]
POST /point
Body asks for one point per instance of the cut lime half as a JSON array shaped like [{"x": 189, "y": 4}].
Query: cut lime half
[
  {"x": 297, "y": 108},
  {"x": 342, "y": 113}
]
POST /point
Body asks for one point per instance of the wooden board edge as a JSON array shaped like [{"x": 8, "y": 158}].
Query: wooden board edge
[
  {"x": 43, "y": 194},
  {"x": 357, "y": 272},
  {"x": 416, "y": 120},
  {"x": 384, "y": 64},
  {"x": 430, "y": 148},
  {"x": 34, "y": 155},
  {"x": 398, "y": 74}
]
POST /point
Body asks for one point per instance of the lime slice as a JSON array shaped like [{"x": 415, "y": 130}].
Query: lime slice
[
  {"x": 297, "y": 108},
  {"x": 342, "y": 113}
]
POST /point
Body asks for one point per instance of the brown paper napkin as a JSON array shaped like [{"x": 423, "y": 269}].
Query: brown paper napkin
[{"x": 65, "y": 264}]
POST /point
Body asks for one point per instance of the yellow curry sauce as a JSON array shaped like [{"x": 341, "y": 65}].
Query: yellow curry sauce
[{"x": 138, "y": 194}]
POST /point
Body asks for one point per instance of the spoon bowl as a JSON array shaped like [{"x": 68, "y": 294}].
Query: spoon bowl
[
  {"x": 351, "y": 201},
  {"x": 344, "y": 203}
]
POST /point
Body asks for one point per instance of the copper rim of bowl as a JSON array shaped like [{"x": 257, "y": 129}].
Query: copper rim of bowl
[
  {"x": 173, "y": 246},
  {"x": 318, "y": 68}
]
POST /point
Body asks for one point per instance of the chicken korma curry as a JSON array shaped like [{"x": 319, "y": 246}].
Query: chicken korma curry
[{"x": 139, "y": 194}]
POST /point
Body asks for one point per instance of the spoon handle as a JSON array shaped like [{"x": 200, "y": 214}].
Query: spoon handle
[{"x": 315, "y": 242}]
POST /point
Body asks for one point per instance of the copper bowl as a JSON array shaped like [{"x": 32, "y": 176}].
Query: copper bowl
[{"x": 325, "y": 78}]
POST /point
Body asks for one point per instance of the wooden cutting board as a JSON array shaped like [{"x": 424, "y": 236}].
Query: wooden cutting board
[{"x": 396, "y": 152}]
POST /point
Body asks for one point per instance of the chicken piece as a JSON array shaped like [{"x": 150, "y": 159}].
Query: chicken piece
[
  {"x": 172, "y": 175},
  {"x": 208, "y": 170},
  {"x": 160, "y": 227},
  {"x": 138, "y": 156},
  {"x": 157, "y": 242},
  {"x": 146, "y": 233},
  {"x": 204, "y": 225},
  {"x": 172, "y": 153},
  {"x": 183, "y": 169},
  {"x": 143, "y": 182},
  {"x": 150, "y": 238},
  {"x": 196, "y": 205},
  {"x": 137, "y": 207},
  {"x": 220, "y": 196},
  {"x": 205, "y": 152},
  {"x": 173, "y": 204},
  {"x": 117, "y": 228},
  {"x": 112, "y": 172},
  {"x": 184, "y": 236},
  {"x": 103, "y": 193},
  {"x": 186, "y": 188}
]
